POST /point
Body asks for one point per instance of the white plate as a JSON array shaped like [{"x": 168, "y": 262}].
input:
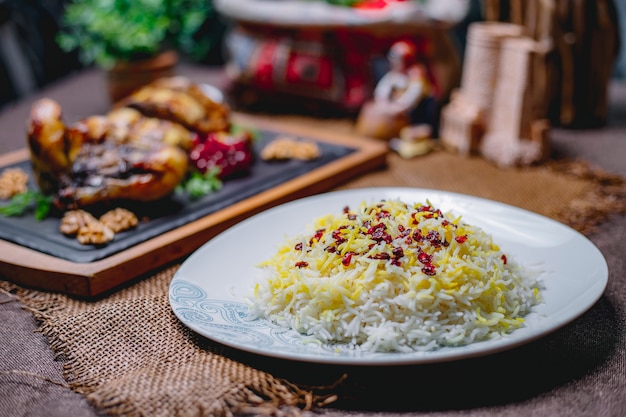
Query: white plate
[{"x": 209, "y": 291}]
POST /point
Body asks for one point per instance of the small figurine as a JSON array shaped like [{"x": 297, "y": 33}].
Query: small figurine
[{"x": 398, "y": 96}]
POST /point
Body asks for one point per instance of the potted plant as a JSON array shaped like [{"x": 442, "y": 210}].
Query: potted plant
[{"x": 134, "y": 41}]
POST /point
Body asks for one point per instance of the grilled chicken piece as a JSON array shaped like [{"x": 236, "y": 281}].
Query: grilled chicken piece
[
  {"x": 179, "y": 100},
  {"x": 133, "y": 126},
  {"x": 48, "y": 148},
  {"x": 94, "y": 161}
]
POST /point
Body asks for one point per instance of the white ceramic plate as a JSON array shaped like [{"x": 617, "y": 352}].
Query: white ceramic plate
[{"x": 209, "y": 291}]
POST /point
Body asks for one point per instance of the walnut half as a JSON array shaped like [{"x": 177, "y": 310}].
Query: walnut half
[
  {"x": 94, "y": 234},
  {"x": 288, "y": 148},
  {"x": 13, "y": 181},
  {"x": 74, "y": 220},
  {"x": 119, "y": 219}
]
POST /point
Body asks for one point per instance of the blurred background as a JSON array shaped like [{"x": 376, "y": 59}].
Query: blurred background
[{"x": 30, "y": 57}]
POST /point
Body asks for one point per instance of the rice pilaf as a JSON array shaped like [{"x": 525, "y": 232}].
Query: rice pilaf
[{"x": 390, "y": 276}]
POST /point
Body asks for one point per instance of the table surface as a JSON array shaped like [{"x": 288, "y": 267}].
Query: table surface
[{"x": 593, "y": 387}]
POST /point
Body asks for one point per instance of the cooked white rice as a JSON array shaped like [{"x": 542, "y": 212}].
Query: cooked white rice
[{"x": 394, "y": 277}]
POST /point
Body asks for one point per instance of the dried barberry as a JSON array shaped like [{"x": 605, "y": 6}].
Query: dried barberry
[
  {"x": 424, "y": 258},
  {"x": 461, "y": 239},
  {"x": 429, "y": 269}
]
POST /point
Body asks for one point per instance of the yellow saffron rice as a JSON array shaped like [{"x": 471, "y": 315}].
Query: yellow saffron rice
[{"x": 392, "y": 276}]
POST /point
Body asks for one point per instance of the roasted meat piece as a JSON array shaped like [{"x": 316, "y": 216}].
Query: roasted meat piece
[
  {"x": 179, "y": 100},
  {"x": 130, "y": 125},
  {"x": 49, "y": 151},
  {"x": 98, "y": 160}
]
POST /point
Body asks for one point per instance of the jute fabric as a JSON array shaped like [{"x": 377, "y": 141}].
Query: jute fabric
[{"x": 130, "y": 356}]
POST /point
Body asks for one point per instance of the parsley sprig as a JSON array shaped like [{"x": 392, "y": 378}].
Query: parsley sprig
[
  {"x": 31, "y": 199},
  {"x": 198, "y": 184}
]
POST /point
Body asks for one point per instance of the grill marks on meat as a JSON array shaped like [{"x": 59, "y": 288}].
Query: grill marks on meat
[
  {"x": 97, "y": 160},
  {"x": 110, "y": 171}
]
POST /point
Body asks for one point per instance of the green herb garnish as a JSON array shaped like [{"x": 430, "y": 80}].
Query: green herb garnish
[
  {"x": 22, "y": 202},
  {"x": 197, "y": 184},
  {"x": 344, "y": 3}
]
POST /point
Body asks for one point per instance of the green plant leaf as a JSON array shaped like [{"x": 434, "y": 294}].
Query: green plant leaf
[
  {"x": 21, "y": 203},
  {"x": 106, "y": 31},
  {"x": 197, "y": 184}
]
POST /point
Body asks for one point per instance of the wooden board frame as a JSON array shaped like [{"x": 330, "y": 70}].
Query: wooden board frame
[{"x": 33, "y": 269}]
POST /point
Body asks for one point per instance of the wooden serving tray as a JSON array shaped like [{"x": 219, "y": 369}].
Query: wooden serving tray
[{"x": 33, "y": 268}]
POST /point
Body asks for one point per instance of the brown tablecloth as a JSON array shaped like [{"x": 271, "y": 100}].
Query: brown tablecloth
[{"x": 579, "y": 370}]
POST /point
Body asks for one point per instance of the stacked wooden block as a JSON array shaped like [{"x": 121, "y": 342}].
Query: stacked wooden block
[
  {"x": 496, "y": 112},
  {"x": 581, "y": 41}
]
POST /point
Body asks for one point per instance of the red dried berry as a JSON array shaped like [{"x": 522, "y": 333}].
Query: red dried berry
[
  {"x": 317, "y": 236},
  {"x": 429, "y": 269},
  {"x": 424, "y": 258}
]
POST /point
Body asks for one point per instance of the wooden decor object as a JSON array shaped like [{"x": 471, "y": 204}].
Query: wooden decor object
[
  {"x": 464, "y": 119},
  {"x": 514, "y": 136},
  {"x": 462, "y": 125},
  {"x": 497, "y": 111},
  {"x": 581, "y": 41},
  {"x": 481, "y": 66}
]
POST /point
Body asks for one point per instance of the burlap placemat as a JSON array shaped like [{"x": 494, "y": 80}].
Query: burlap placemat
[{"x": 130, "y": 356}]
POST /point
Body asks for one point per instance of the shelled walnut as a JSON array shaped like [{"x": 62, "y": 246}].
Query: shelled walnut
[
  {"x": 95, "y": 233},
  {"x": 289, "y": 148},
  {"x": 13, "y": 181},
  {"x": 119, "y": 219},
  {"x": 92, "y": 231},
  {"x": 73, "y": 220},
  {"x": 87, "y": 229}
]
